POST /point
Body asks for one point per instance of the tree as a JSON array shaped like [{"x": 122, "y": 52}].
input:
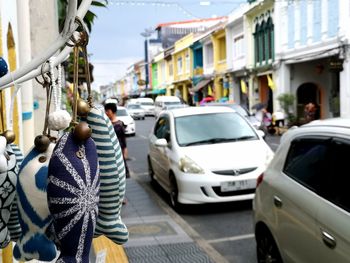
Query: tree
[{"x": 89, "y": 17}]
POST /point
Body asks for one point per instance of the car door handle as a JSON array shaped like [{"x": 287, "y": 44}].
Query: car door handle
[
  {"x": 277, "y": 201},
  {"x": 328, "y": 239}
]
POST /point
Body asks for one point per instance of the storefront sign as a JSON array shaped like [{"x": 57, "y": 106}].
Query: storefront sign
[{"x": 336, "y": 64}]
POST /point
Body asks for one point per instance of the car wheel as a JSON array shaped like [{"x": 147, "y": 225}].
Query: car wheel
[
  {"x": 150, "y": 171},
  {"x": 143, "y": 118},
  {"x": 266, "y": 247},
  {"x": 174, "y": 193}
]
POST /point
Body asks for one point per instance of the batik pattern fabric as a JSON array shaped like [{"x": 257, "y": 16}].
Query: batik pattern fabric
[
  {"x": 73, "y": 194},
  {"x": 33, "y": 212},
  {"x": 13, "y": 224},
  {"x": 8, "y": 181},
  {"x": 112, "y": 177}
]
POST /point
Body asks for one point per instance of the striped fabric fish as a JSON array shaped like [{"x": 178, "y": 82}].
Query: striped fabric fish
[
  {"x": 13, "y": 224},
  {"x": 112, "y": 177},
  {"x": 34, "y": 215}
]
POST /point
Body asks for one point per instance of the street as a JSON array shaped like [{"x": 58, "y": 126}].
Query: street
[{"x": 228, "y": 228}]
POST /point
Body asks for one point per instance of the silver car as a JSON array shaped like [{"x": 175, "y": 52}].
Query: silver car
[{"x": 302, "y": 201}]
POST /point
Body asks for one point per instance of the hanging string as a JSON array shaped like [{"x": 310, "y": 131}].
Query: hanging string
[
  {"x": 59, "y": 87},
  {"x": 2, "y": 112},
  {"x": 75, "y": 84}
]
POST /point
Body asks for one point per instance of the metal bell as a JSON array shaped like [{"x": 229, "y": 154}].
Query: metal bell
[
  {"x": 41, "y": 143},
  {"x": 83, "y": 108},
  {"x": 10, "y": 136}
]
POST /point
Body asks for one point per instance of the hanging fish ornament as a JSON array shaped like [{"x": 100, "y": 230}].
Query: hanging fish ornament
[
  {"x": 8, "y": 181},
  {"x": 112, "y": 177},
  {"x": 13, "y": 224},
  {"x": 34, "y": 213}
]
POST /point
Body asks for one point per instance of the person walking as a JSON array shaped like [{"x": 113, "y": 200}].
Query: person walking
[{"x": 119, "y": 128}]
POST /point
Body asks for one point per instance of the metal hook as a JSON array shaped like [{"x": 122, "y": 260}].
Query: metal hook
[{"x": 47, "y": 78}]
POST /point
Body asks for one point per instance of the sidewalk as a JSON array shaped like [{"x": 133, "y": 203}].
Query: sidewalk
[{"x": 154, "y": 235}]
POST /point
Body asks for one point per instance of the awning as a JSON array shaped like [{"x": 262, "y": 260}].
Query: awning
[
  {"x": 156, "y": 91},
  {"x": 203, "y": 83}
]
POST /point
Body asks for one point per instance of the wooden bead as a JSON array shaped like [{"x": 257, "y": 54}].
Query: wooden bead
[
  {"x": 82, "y": 132},
  {"x": 10, "y": 136},
  {"x": 83, "y": 108},
  {"x": 41, "y": 143}
]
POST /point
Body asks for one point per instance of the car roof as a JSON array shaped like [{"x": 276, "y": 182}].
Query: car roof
[
  {"x": 331, "y": 122},
  {"x": 120, "y": 108},
  {"x": 179, "y": 112}
]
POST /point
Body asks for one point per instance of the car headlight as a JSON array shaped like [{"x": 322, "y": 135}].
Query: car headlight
[{"x": 187, "y": 165}]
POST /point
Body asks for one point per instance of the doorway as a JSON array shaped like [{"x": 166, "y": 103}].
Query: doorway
[{"x": 308, "y": 92}]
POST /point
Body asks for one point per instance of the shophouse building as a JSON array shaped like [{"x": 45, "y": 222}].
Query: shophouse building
[
  {"x": 236, "y": 62},
  {"x": 312, "y": 58},
  {"x": 260, "y": 53}
]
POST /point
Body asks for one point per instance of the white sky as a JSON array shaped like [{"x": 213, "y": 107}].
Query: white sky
[{"x": 115, "y": 41}]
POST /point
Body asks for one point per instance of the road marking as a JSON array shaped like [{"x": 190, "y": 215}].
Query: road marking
[{"x": 235, "y": 238}]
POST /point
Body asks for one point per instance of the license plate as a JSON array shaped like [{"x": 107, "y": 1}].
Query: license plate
[{"x": 237, "y": 185}]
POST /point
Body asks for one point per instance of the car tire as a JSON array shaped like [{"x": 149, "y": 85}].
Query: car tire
[
  {"x": 266, "y": 247},
  {"x": 150, "y": 171},
  {"x": 143, "y": 118},
  {"x": 174, "y": 194}
]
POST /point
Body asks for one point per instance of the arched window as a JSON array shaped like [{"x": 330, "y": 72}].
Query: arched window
[
  {"x": 270, "y": 38},
  {"x": 256, "y": 43}
]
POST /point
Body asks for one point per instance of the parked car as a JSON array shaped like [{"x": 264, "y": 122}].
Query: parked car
[
  {"x": 147, "y": 104},
  {"x": 302, "y": 204},
  {"x": 241, "y": 110},
  {"x": 136, "y": 111},
  {"x": 162, "y": 101},
  {"x": 206, "y": 155},
  {"x": 124, "y": 116}
]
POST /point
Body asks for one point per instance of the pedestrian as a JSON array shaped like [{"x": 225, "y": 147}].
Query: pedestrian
[
  {"x": 278, "y": 121},
  {"x": 119, "y": 128},
  {"x": 310, "y": 112}
]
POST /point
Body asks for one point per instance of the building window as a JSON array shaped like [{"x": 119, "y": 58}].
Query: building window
[
  {"x": 222, "y": 49},
  {"x": 264, "y": 42},
  {"x": 209, "y": 55},
  {"x": 187, "y": 61},
  {"x": 171, "y": 70},
  {"x": 238, "y": 49},
  {"x": 179, "y": 66}
]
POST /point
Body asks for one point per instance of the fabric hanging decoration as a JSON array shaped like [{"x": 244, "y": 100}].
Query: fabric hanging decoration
[
  {"x": 13, "y": 224},
  {"x": 112, "y": 177},
  {"x": 59, "y": 119},
  {"x": 111, "y": 168},
  {"x": 33, "y": 211},
  {"x": 8, "y": 181},
  {"x": 3, "y": 67},
  {"x": 73, "y": 185}
]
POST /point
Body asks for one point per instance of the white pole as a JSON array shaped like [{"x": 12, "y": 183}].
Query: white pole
[{"x": 24, "y": 56}]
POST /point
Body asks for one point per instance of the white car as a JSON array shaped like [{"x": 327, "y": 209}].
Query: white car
[
  {"x": 136, "y": 111},
  {"x": 302, "y": 202},
  {"x": 124, "y": 116},
  {"x": 206, "y": 155},
  {"x": 147, "y": 104}
]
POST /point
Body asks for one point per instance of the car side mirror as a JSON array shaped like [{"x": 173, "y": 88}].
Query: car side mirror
[{"x": 161, "y": 142}]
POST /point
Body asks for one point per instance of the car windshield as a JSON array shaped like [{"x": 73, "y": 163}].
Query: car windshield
[
  {"x": 240, "y": 110},
  {"x": 134, "y": 106},
  {"x": 212, "y": 128},
  {"x": 122, "y": 112},
  {"x": 147, "y": 103}
]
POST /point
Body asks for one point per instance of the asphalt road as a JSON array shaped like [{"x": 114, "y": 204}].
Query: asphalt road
[{"x": 228, "y": 228}]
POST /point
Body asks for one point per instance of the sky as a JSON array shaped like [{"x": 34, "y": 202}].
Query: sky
[{"x": 116, "y": 42}]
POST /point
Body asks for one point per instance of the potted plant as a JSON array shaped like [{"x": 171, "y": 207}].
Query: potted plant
[{"x": 286, "y": 101}]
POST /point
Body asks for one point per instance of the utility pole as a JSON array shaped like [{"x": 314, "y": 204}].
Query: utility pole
[{"x": 146, "y": 34}]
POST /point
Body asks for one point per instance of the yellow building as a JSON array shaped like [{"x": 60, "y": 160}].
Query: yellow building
[
  {"x": 183, "y": 70},
  {"x": 169, "y": 70},
  {"x": 218, "y": 38}
]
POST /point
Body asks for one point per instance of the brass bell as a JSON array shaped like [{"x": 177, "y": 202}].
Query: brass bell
[
  {"x": 10, "y": 136},
  {"x": 83, "y": 108},
  {"x": 41, "y": 143},
  {"x": 82, "y": 132}
]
